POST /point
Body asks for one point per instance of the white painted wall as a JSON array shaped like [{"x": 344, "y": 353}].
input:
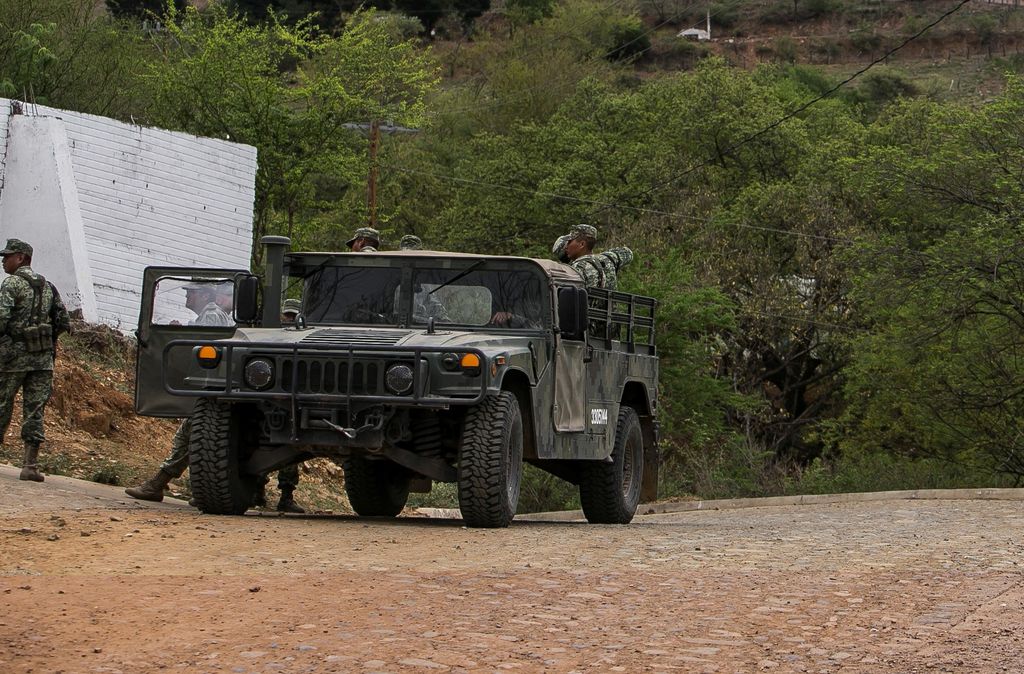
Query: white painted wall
[{"x": 101, "y": 200}]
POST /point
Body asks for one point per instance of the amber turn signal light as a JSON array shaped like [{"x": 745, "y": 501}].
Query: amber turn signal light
[{"x": 208, "y": 356}]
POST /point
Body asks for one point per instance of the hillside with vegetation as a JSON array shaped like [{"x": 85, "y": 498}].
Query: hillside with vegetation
[{"x": 839, "y": 268}]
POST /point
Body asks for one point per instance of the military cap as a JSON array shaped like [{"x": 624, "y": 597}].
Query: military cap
[
  {"x": 558, "y": 250},
  {"x": 410, "y": 242},
  {"x": 16, "y": 246},
  {"x": 365, "y": 233},
  {"x": 291, "y": 306},
  {"x": 582, "y": 230}
]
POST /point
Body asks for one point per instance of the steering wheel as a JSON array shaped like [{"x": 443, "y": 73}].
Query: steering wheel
[{"x": 364, "y": 315}]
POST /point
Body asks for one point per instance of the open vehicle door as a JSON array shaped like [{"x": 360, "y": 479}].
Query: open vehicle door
[{"x": 178, "y": 303}]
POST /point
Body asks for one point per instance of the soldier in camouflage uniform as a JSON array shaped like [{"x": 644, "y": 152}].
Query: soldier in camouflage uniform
[
  {"x": 599, "y": 270},
  {"x": 410, "y": 242},
  {"x": 32, "y": 317},
  {"x": 290, "y": 310},
  {"x": 287, "y": 477},
  {"x": 206, "y": 301},
  {"x": 364, "y": 240}
]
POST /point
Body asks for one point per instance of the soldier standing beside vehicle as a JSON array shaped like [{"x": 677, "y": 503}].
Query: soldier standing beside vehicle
[
  {"x": 287, "y": 477},
  {"x": 204, "y": 300},
  {"x": 32, "y": 317},
  {"x": 599, "y": 270},
  {"x": 364, "y": 240}
]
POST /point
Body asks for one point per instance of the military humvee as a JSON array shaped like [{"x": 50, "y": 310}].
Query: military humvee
[{"x": 407, "y": 368}]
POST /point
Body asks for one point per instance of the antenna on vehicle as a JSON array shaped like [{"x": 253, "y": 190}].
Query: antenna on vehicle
[{"x": 430, "y": 325}]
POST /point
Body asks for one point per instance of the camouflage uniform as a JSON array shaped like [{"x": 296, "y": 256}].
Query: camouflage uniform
[
  {"x": 599, "y": 270},
  {"x": 365, "y": 233},
  {"x": 212, "y": 315},
  {"x": 287, "y": 481},
  {"x": 27, "y": 301},
  {"x": 425, "y": 306},
  {"x": 410, "y": 242},
  {"x": 177, "y": 461}
]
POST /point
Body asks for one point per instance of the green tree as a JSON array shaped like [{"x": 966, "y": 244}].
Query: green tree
[
  {"x": 29, "y": 61},
  {"x": 141, "y": 9},
  {"x": 65, "y": 54},
  {"x": 288, "y": 91},
  {"x": 529, "y": 11},
  {"x": 937, "y": 286}
]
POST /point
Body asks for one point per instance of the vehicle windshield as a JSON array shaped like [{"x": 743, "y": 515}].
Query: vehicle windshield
[
  {"x": 375, "y": 295},
  {"x": 342, "y": 295}
]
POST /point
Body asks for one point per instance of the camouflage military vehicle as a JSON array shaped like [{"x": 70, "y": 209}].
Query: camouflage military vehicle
[{"x": 407, "y": 368}]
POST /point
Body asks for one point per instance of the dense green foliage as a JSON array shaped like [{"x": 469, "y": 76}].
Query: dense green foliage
[
  {"x": 840, "y": 292},
  {"x": 292, "y": 90},
  {"x": 141, "y": 9}
]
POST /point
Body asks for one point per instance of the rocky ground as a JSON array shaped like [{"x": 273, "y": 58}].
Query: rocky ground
[{"x": 93, "y": 582}]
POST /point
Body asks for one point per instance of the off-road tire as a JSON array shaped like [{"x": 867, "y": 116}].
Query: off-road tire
[
  {"x": 491, "y": 462},
  {"x": 218, "y": 485},
  {"x": 610, "y": 492},
  {"x": 375, "y": 487}
]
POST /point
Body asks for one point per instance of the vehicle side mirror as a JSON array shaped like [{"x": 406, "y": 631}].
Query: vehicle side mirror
[
  {"x": 572, "y": 313},
  {"x": 247, "y": 299}
]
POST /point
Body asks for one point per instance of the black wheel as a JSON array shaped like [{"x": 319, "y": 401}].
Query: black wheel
[
  {"x": 610, "y": 492},
  {"x": 491, "y": 462},
  {"x": 375, "y": 487},
  {"x": 218, "y": 485}
]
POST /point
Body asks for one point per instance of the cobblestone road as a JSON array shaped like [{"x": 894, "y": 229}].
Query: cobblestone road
[{"x": 886, "y": 586}]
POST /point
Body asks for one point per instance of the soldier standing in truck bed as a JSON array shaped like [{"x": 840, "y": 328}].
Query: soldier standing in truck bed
[
  {"x": 599, "y": 270},
  {"x": 32, "y": 317},
  {"x": 364, "y": 240}
]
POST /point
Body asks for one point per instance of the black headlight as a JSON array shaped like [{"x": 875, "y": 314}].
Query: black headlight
[
  {"x": 398, "y": 378},
  {"x": 259, "y": 373}
]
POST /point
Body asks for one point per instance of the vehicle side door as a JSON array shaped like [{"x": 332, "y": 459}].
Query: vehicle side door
[
  {"x": 178, "y": 303},
  {"x": 571, "y": 357}
]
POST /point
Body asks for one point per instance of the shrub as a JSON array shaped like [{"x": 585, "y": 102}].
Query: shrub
[
  {"x": 541, "y": 492},
  {"x": 866, "y": 40},
  {"x": 108, "y": 474},
  {"x": 785, "y": 49},
  {"x": 628, "y": 39},
  {"x": 884, "y": 472}
]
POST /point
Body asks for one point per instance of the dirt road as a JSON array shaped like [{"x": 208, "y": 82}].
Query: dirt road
[{"x": 92, "y": 582}]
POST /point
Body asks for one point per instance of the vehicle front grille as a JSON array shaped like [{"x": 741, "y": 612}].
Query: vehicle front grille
[
  {"x": 344, "y": 337},
  {"x": 332, "y": 376}
]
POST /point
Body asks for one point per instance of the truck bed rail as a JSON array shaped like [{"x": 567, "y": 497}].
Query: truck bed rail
[{"x": 622, "y": 321}]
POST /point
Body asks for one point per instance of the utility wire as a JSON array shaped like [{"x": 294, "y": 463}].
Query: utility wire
[{"x": 793, "y": 113}]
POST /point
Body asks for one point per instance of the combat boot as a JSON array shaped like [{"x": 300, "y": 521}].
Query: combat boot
[
  {"x": 152, "y": 489},
  {"x": 287, "y": 504},
  {"x": 259, "y": 500},
  {"x": 30, "y": 466}
]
